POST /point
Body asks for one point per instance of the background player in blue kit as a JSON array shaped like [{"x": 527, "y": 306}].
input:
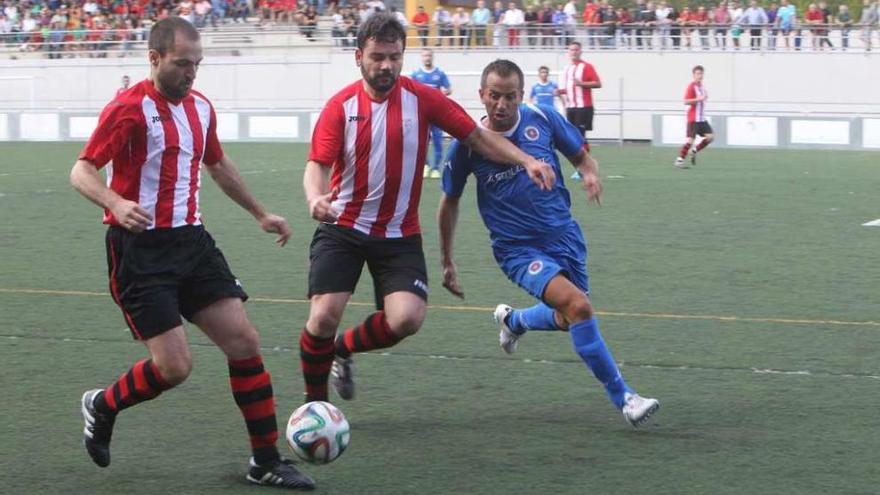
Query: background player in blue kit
[
  {"x": 535, "y": 240},
  {"x": 433, "y": 76},
  {"x": 544, "y": 92}
]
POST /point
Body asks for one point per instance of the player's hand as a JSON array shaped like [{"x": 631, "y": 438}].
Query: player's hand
[
  {"x": 450, "y": 280},
  {"x": 276, "y": 225},
  {"x": 592, "y": 186},
  {"x": 541, "y": 173},
  {"x": 131, "y": 216},
  {"x": 320, "y": 207}
]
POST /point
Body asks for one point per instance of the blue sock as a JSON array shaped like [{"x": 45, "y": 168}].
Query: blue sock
[
  {"x": 588, "y": 344},
  {"x": 538, "y": 317}
]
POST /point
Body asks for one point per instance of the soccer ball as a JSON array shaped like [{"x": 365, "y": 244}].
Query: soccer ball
[{"x": 318, "y": 432}]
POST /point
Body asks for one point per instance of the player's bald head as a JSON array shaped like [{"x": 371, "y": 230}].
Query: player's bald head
[
  {"x": 504, "y": 69},
  {"x": 163, "y": 33}
]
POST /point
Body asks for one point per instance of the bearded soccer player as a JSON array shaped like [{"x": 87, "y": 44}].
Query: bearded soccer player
[
  {"x": 163, "y": 264},
  {"x": 535, "y": 240},
  {"x": 363, "y": 181},
  {"x": 697, "y": 125}
]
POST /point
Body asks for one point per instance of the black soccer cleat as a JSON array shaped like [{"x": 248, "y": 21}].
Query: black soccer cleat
[
  {"x": 342, "y": 374},
  {"x": 281, "y": 474},
  {"x": 694, "y": 156},
  {"x": 98, "y": 429}
]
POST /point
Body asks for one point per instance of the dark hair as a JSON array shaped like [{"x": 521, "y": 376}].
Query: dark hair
[
  {"x": 578, "y": 43},
  {"x": 163, "y": 32},
  {"x": 504, "y": 68},
  {"x": 698, "y": 68},
  {"x": 381, "y": 26},
  {"x": 543, "y": 67}
]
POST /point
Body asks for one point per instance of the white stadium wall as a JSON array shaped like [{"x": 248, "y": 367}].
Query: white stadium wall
[{"x": 756, "y": 99}]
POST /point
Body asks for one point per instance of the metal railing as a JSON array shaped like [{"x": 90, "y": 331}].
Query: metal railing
[{"x": 265, "y": 38}]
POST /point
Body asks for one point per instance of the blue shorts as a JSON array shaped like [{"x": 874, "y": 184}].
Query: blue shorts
[{"x": 532, "y": 267}]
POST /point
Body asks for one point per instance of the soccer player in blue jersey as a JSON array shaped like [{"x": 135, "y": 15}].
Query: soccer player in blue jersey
[
  {"x": 433, "y": 76},
  {"x": 535, "y": 240},
  {"x": 545, "y": 91}
]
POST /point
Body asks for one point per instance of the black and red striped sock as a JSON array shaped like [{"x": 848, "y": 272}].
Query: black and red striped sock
[
  {"x": 702, "y": 144},
  {"x": 373, "y": 333},
  {"x": 141, "y": 383},
  {"x": 252, "y": 390},
  {"x": 684, "y": 150},
  {"x": 316, "y": 358}
]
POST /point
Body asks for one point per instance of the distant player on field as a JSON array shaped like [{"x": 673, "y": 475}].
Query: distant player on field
[
  {"x": 363, "y": 182},
  {"x": 544, "y": 91},
  {"x": 535, "y": 240},
  {"x": 695, "y": 98},
  {"x": 576, "y": 86},
  {"x": 163, "y": 264},
  {"x": 433, "y": 76},
  {"x": 126, "y": 82}
]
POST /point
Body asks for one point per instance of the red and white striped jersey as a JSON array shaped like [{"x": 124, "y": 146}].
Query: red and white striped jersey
[
  {"x": 156, "y": 146},
  {"x": 578, "y": 96},
  {"x": 696, "y": 111},
  {"x": 377, "y": 151}
]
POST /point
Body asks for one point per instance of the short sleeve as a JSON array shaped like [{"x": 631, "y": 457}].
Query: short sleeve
[
  {"x": 328, "y": 135},
  {"x": 567, "y": 138},
  {"x": 113, "y": 133},
  {"x": 532, "y": 94},
  {"x": 689, "y": 93},
  {"x": 446, "y": 114},
  {"x": 213, "y": 151},
  {"x": 444, "y": 81},
  {"x": 456, "y": 169},
  {"x": 590, "y": 74}
]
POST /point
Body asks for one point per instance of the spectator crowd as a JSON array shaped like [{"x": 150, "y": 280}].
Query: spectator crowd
[{"x": 64, "y": 27}]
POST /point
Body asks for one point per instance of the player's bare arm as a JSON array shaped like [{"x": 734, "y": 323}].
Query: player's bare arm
[
  {"x": 316, "y": 184},
  {"x": 226, "y": 175},
  {"x": 447, "y": 218},
  {"x": 498, "y": 149},
  {"x": 589, "y": 170},
  {"x": 86, "y": 179}
]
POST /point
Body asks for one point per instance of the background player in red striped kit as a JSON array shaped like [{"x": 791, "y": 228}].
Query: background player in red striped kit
[
  {"x": 362, "y": 181},
  {"x": 162, "y": 261},
  {"x": 697, "y": 125},
  {"x": 576, "y": 87}
]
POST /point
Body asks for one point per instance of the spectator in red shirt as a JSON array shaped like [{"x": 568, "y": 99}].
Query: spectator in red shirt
[
  {"x": 700, "y": 19},
  {"x": 422, "y": 21},
  {"x": 814, "y": 18}
]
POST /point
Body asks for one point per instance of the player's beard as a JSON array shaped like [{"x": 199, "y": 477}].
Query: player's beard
[
  {"x": 382, "y": 82},
  {"x": 175, "y": 90}
]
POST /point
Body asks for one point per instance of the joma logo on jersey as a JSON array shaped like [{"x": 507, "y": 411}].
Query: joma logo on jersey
[
  {"x": 158, "y": 118},
  {"x": 356, "y": 118}
]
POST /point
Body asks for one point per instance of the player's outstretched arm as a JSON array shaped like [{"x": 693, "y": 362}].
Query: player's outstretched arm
[
  {"x": 498, "y": 149},
  {"x": 589, "y": 170},
  {"x": 447, "y": 218},
  {"x": 86, "y": 179},
  {"x": 316, "y": 184},
  {"x": 226, "y": 175}
]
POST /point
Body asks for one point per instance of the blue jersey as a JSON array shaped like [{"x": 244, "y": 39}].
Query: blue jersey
[
  {"x": 513, "y": 208},
  {"x": 435, "y": 78},
  {"x": 544, "y": 94}
]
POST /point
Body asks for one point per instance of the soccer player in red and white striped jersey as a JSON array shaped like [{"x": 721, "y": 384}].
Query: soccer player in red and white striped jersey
[
  {"x": 576, "y": 87},
  {"x": 695, "y": 97},
  {"x": 163, "y": 264},
  {"x": 363, "y": 181}
]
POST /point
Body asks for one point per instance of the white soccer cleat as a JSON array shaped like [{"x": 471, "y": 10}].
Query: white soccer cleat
[
  {"x": 679, "y": 163},
  {"x": 637, "y": 409},
  {"x": 508, "y": 340}
]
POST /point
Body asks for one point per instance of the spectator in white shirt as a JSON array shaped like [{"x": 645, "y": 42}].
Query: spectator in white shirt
[
  {"x": 443, "y": 20},
  {"x": 513, "y": 21},
  {"x": 461, "y": 21},
  {"x": 664, "y": 23}
]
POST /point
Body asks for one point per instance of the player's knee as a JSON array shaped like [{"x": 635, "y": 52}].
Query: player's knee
[
  {"x": 406, "y": 324},
  {"x": 578, "y": 309},
  {"x": 323, "y": 323},
  {"x": 176, "y": 369},
  {"x": 246, "y": 344}
]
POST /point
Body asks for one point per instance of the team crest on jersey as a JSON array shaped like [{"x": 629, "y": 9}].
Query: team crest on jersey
[
  {"x": 531, "y": 133},
  {"x": 535, "y": 267}
]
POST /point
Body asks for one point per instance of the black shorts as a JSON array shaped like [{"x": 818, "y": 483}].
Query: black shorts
[
  {"x": 338, "y": 254},
  {"x": 698, "y": 129},
  {"x": 582, "y": 118},
  {"x": 158, "y": 275}
]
